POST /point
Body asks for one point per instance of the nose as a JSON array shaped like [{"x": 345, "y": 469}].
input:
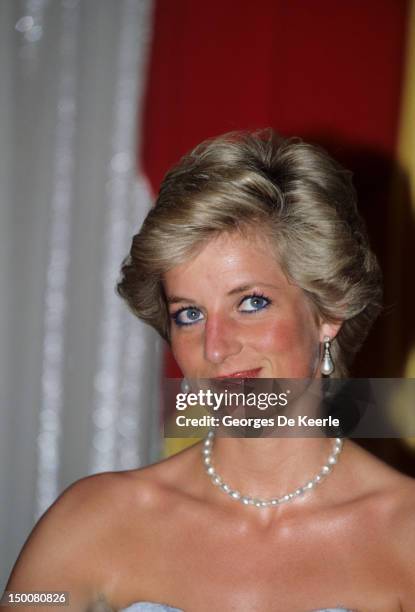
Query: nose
[{"x": 221, "y": 339}]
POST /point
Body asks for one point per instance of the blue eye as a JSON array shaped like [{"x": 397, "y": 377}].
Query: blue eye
[
  {"x": 187, "y": 316},
  {"x": 254, "y": 303}
]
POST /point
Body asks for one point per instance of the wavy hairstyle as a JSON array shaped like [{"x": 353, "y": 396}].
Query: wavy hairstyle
[{"x": 293, "y": 191}]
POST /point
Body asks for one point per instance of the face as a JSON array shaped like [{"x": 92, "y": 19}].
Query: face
[{"x": 233, "y": 311}]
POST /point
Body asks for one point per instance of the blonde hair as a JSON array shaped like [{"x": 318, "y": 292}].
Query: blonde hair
[{"x": 296, "y": 193}]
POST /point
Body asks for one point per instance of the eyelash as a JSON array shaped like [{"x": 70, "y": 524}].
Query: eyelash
[{"x": 175, "y": 315}]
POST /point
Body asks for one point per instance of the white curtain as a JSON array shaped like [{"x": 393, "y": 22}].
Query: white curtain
[{"x": 79, "y": 375}]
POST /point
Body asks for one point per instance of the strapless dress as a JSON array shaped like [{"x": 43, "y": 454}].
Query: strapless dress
[{"x": 148, "y": 606}]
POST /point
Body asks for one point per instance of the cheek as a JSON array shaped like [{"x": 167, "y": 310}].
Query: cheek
[
  {"x": 183, "y": 349},
  {"x": 291, "y": 340},
  {"x": 278, "y": 336}
]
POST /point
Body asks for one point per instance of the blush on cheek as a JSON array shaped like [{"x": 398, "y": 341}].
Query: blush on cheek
[
  {"x": 292, "y": 346},
  {"x": 279, "y": 337}
]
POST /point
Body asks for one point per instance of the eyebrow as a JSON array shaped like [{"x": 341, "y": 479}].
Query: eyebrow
[{"x": 174, "y": 299}]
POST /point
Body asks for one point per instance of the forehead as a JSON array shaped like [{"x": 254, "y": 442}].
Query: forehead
[{"x": 226, "y": 261}]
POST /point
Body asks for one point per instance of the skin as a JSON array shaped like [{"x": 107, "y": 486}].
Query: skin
[{"x": 164, "y": 533}]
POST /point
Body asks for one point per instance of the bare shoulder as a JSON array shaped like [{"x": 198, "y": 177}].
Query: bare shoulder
[
  {"x": 64, "y": 551},
  {"x": 86, "y": 508},
  {"x": 377, "y": 477},
  {"x": 383, "y": 497},
  {"x": 74, "y": 544}
]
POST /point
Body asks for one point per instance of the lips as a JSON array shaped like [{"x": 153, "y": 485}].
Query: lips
[{"x": 242, "y": 374}]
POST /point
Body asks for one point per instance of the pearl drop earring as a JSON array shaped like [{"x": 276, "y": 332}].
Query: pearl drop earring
[{"x": 327, "y": 365}]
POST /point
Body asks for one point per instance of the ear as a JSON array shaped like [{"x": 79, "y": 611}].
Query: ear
[{"x": 329, "y": 329}]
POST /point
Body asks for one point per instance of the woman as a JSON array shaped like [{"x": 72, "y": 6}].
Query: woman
[{"x": 254, "y": 263}]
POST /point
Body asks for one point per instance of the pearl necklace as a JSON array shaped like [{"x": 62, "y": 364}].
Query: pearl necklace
[{"x": 276, "y": 501}]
